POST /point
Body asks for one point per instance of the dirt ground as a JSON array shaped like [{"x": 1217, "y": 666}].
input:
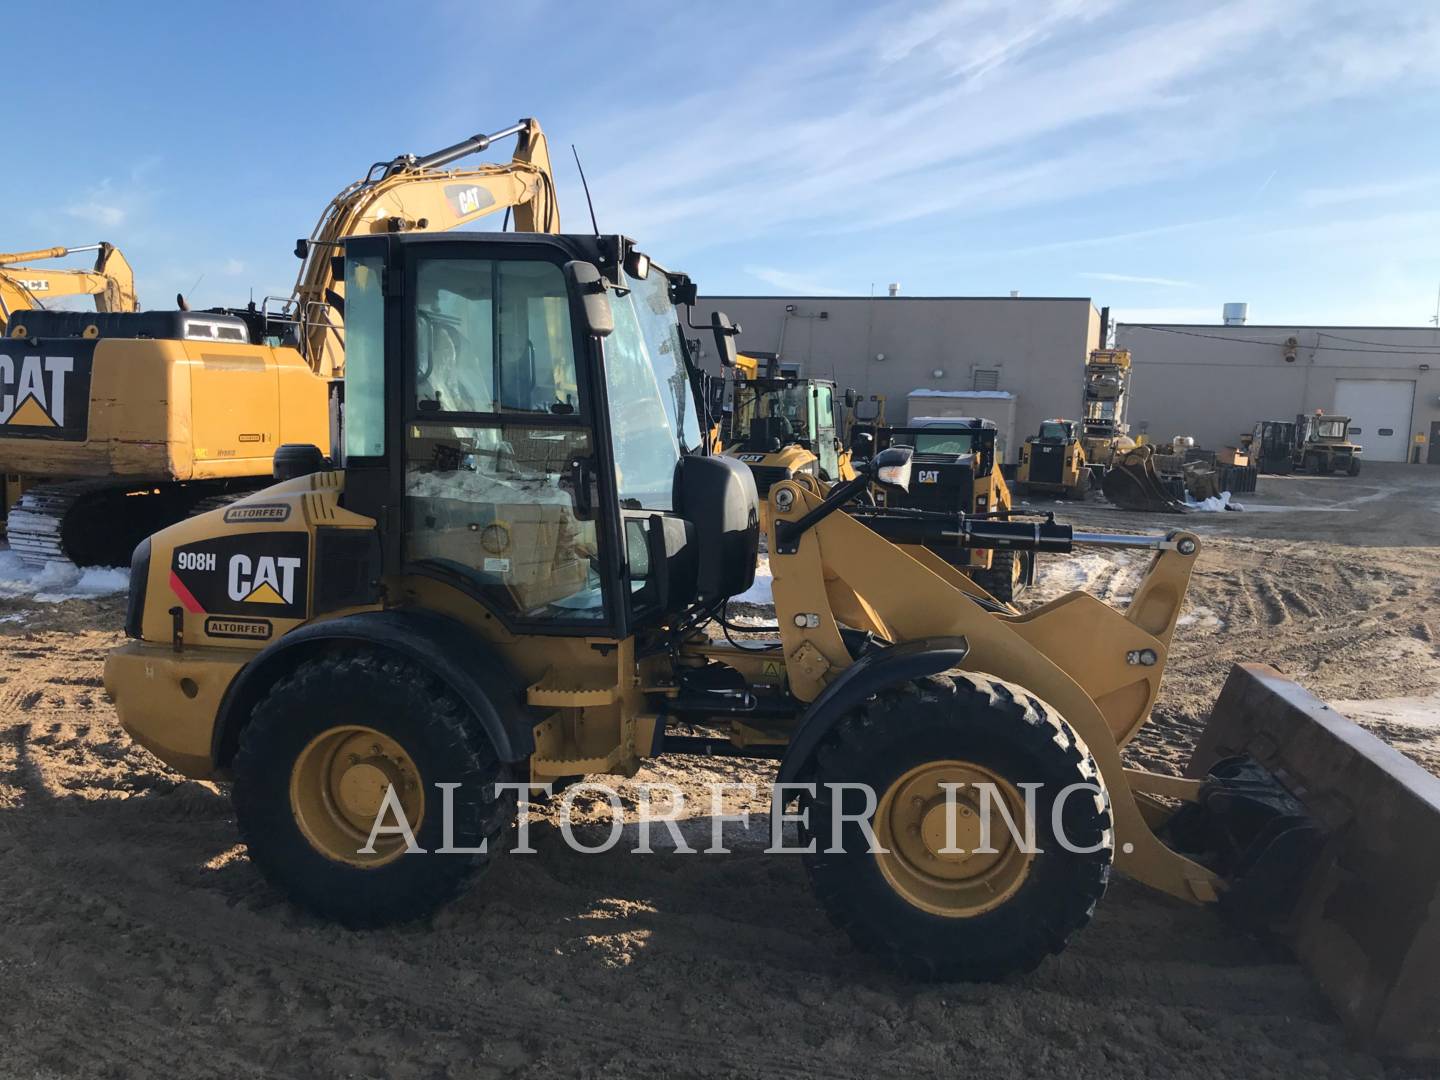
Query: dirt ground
[{"x": 136, "y": 939}]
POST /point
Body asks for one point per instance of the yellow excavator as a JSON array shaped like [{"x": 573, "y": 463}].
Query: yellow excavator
[
  {"x": 114, "y": 424},
  {"x": 24, "y": 287},
  {"x": 501, "y": 590}
]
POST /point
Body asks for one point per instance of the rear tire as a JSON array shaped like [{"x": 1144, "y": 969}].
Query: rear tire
[
  {"x": 971, "y": 921},
  {"x": 317, "y": 751},
  {"x": 1354, "y": 469}
]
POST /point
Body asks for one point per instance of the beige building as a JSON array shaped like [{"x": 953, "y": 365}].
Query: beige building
[
  {"x": 1032, "y": 347},
  {"x": 1215, "y": 382}
]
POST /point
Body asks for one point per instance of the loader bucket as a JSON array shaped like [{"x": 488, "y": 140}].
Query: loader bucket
[
  {"x": 1133, "y": 484},
  {"x": 1365, "y": 821}
]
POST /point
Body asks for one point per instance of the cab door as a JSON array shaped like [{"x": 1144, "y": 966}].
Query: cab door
[{"x": 822, "y": 423}]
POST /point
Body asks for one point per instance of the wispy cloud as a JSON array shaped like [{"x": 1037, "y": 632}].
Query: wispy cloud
[
  {"x": 964, "y": 109},
  {"x": 97, "y": 213},
  {"x": 789, "y": 282},
  {"x": 1133, "y": 279},
  {"x": 1372, "y": 192}
]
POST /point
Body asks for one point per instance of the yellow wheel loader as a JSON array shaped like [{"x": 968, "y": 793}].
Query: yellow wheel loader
[
  {"x": 956, "y": 466},
  {"x": 115, "y": 424},
  {"x": 782, "y": 425},
  {"x": 1054, "y": 461},
  {"x": 25, "y": 288},
  {"x": 509, "y": 584}
]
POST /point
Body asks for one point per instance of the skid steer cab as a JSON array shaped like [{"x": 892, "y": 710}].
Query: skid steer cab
[{"x": 512, "y": 582}]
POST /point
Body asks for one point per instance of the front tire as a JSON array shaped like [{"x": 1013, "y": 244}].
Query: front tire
[
  {"x": 934, "y": 914},
  {"x": 311, "y": 776}
]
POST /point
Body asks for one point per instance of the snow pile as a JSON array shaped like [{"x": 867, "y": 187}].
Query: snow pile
[
  {"x": 54, "y": 582},
  {"x": 1213, "y": 503},
  {"x": 758, "y": 593}
]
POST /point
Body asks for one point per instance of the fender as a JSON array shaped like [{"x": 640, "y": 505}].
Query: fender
[
  {"x": 870, "y": 674},
  {"x": 448, "y": 649}
]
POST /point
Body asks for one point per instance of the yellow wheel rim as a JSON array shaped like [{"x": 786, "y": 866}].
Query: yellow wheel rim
[
  {"x": 912, "y": 825},
  {"x": 338, "y": 786}
]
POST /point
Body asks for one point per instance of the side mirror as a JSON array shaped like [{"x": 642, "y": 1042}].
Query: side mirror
[
  {"x": 891, "y": 467},
  {"x": 851, "y": 398},
  {"x": 725, "y": 333},
  {"x": 587, "y": 284}
]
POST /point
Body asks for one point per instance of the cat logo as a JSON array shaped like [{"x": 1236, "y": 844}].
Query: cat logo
[
  {"x": 265, "y": 579},
  {"x": 929, "y": 476},
  {"x": 467, "y": 199},
  {"x": 257, "y": 575},
  {"x": 32, "y": 390}
]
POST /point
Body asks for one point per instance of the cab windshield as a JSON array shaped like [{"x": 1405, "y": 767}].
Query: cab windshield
[
  {"x": 1332, "y": 429},
  {"x": 653, "y": 415},
  {"x": 937, "y": 442},
  {"x": 782, "y": 411},
  {"x": 1054, "y": 432}
]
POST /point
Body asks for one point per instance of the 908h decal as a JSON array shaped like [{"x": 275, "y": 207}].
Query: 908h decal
[
  {"x": 261, "y": 575},
  {"x": 45, "y": 396}
]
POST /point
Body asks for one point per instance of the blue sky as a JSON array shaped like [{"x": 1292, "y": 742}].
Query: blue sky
[{"x": 1161, "y": 158}]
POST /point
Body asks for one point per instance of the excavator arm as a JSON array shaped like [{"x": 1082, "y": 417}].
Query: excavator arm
[
  {"x": 410, "y": 193},
  {"x": 24, "y": 288}
]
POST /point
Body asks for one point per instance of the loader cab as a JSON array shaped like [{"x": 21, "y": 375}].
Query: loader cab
[
  {"x": 521, "y": 419},
  {"x": 1057, "y": 431}
]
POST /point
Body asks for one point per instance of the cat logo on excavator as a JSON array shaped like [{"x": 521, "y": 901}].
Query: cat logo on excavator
[{"x": 32, "y": 390}]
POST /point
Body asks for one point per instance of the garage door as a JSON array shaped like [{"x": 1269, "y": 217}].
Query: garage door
[{"x": 1379, "y": 411}]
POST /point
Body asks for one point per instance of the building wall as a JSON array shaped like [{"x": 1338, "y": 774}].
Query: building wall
[
  {"x": 1216, "y": 382},
  {"x": 1038, "y": 345}
]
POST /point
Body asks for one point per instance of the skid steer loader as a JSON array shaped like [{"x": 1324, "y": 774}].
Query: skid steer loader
[{"x": 507, "y": 584}]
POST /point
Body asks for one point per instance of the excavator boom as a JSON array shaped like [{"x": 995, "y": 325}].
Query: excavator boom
[
  {"x": 412, "y": 192},
  {"x": 24, "y": 287}
]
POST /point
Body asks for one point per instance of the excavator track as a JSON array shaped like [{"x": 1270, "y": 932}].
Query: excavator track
[{"x": 96, "y": 522}]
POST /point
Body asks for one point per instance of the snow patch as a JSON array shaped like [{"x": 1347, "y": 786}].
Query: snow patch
[
  {"x": 1417, "y": 712},
  {"x": 993, "y": 394},
  {"x": 54, "y": 582},
  {"x": 1213, "y": 503},
  {"x": 1201, "y": 618},
  {"x": 760, "y": 592}
]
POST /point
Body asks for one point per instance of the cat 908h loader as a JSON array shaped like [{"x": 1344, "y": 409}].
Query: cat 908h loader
[
  {"x": 117, "y": 423},
  {"x": 509, "y": 579}
]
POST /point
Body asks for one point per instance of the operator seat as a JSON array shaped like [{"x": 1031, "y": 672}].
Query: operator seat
[{"x": 770, "y": 433}]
